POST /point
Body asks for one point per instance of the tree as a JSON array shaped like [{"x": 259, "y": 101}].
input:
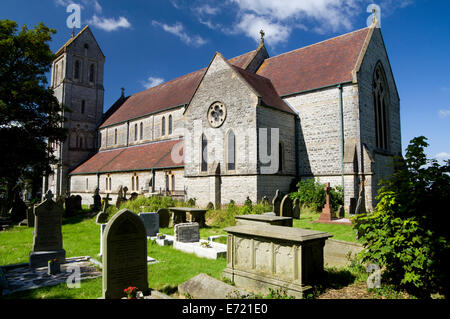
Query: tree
[
  {"x": 30, "y": 114},
  {"x": 407, "y": 233}
]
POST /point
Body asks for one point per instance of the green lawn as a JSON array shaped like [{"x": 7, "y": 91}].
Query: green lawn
[
  {"x": 81, "y": 237},
  {"x": 340, "y": 232}
]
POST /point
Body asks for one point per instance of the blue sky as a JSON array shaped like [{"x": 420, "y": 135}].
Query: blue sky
[{"x": 150, "y": 41}]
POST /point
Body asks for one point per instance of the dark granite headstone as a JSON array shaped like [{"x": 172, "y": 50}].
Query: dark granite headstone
[
  {"x": 296, "y": 209},
  {"x": 276, "y": 202},
  {"x": 286, "y": 207},
  {"x": 124, "y": 255},
  {"x": 151, "y": 222},
  {"x": 164, "y": 217}
]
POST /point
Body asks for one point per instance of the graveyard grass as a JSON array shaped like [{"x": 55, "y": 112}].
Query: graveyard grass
[{"x": 81, "y": 238}]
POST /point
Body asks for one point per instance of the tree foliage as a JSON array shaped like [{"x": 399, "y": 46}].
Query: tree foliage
[
  {"x": 29, "y": 112},
  {"x": 311, "y": 194},
  {"x": 408, "y": 231}
]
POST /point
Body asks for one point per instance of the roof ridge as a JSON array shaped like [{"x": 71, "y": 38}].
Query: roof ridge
[{"x": 313, "y": 44}]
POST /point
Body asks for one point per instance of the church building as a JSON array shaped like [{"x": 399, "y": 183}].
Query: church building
[{"x": 241, "y": 127}]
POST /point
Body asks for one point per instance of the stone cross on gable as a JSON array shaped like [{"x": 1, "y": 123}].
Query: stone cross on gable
[{"x": 262, "y": 35}]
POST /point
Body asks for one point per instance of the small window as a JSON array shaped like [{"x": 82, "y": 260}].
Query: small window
[
  {"x": 83, "y": 106},
  {"x": 87, "y": 184},
  {"x": 173, "y": 182},
  {"x": 115, "y": 136},
  {"x": 170, "y": 124},
  {"x": 141, "y": 134},
  {"x": 163, "y": 126},
  {"x": 56, "y": 80},
  {"x": 135, "y": 132}
]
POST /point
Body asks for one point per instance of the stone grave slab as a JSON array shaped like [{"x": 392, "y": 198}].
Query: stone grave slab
[
  {"x": 203, "y": 286},
  {"x": 263, "y": 219},
  {"x": 210, "y": 250},
  {"x": 187, "y": 232}
]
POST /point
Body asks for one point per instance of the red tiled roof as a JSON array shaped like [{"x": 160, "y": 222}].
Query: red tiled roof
[
  {"x": 318, "y": 65},
  {"x": 142, "y": 157},
  {"x": 170, "y": 94},
  {"x": 264, "y": 89}
]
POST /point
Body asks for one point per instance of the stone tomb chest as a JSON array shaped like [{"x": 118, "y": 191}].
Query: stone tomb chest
[
  {"x": 264, "y": 219},
  {"x": 260, "y": 257}
]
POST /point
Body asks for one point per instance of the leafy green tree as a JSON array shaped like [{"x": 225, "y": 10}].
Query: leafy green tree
[
  {"x": 407, "y": 234},
  {"x": 311, "y": 193},
  {"x": 29, "y": 112}
]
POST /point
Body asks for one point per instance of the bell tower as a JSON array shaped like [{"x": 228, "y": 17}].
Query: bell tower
[{"x": 77, "y": 81}]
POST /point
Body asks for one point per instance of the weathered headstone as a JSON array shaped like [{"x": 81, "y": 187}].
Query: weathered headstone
[
  {"x": 164, "y": 217},
  {"x": 77, "y": 202},
  {"x": 134, "y": 196},
  {"x": 327, "y": 211},
  {"x": 151, "y": 222},
  {"x": 18, "y": 209},
  {"x": 210, "y": 206},
  {"x": 124, "y": 255},
  {"x": 30, "y": 216},
  {"x": 120, "y": 196},
  {"x": 276, "y": 202},
  {"x": 97, "y": 201},
  {"x": 73, "y": 205},
  {"x": 47, "y": 235},
  {"x": 341, "y": 212},
  {"x": 286, "y": 207},
  {"x": 101, "y": 218},
  {"x": 125, "y": 191},
  {"x": 296, "y": 209},
  {"x": 265, "y": 201},
  {"x": 187, "y": 232}
]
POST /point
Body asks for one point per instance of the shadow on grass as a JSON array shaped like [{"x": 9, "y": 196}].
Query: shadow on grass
[
  {"x": 333, "y": 278},
  {"x": 169, "y": 290},
  {"x": 77, "y": 218}
]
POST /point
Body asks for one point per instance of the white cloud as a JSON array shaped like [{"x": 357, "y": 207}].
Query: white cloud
[
  {"x": 206, "y": 9},
  {"x": 110, "y": 24},
  {"x": 152, "y": 81},
  {"x": 251, "y": 25},
  {"x": 442, "y": 156},
  {"x": 444, "y": 113},
  {"x": 178, "y": 30}
]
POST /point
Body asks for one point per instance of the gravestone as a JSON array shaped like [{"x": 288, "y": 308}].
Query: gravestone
[
  {"x": 327, "y": 211},
  {"x": 97, "y": 201},
  {"x": 77, "y": 202},
  {"x": 151, "y": 223},
  {"x": 19, "y": 209},
  {"x": 73, "y": 205},
  {"x": 134, "y": 196},
  {"x": 352, "y": 207},
  {"x": 164, "y": 217},
  {"x": 125, "y": 191},
  {"x": 341, "y": 212},
  {"x": 360, "y": 205},
  {"x": 101, "y": 218},
  {"x": 296, "y": 209},
  {"x": 286, "y": 207},
  {"x": 124, "y": 255},
  {"x": 47, "y": 235},
  {"x": 276, "y": 202},
  {"x": 187, "y": 232},
  {"x": 30, "y": 216},
  {"x": 210, "y": 206},
  {"x": 119, "y": 199}
]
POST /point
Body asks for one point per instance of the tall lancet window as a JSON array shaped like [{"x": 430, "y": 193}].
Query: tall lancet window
[
  {"x": 231, "y": 151},
  {"x": 76, "y": 71},
  {"x": 204, "y": 155},
  {"x": 380, "y": 101},
  {"x": 163, "y": 126},
  {"x": 91, "y": 73},
  {"x": 170, "y": 124}
]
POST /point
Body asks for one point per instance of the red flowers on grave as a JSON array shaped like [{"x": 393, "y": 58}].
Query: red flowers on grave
[{"x": 130, "y": 292}]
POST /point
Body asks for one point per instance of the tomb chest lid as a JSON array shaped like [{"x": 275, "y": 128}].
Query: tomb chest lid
[{"x": 278, "y": 232}]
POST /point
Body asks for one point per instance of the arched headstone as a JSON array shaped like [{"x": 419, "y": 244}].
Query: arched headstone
[
  {"x": 296, "y": 209},
  {"x": 124, "y": 255},
  {"x": 164, "y": 217},
  {"x": 286, "y": 207},
  {"x": 276, "y": 202}
]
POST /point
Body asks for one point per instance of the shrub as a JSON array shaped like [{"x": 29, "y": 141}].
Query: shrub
[
  {"x": 407, "y": 233},
  {"x": 311, "y": 194}
]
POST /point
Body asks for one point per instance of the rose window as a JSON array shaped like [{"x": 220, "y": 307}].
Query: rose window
[{"x": 217, "y": 114}]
